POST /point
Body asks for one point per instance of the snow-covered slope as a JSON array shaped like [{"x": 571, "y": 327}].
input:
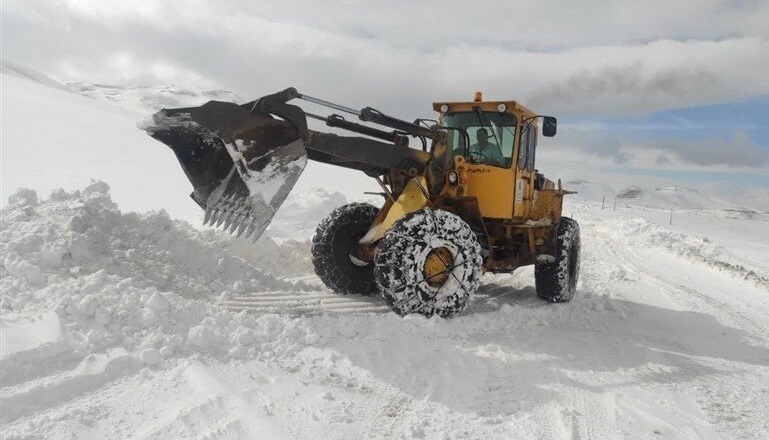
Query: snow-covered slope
[
  {"x": 141, "y": 99},
  {"x": 9, "y": 68},
  {"x": 147, "y": 100},
  {"x": 54, "y": 138},
  {"x": 640, "y": 195}
]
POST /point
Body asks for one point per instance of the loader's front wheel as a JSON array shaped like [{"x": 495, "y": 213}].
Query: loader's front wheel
[
  {"x": 335, "y": 252},
  {"x": 429, "y": 263},
  {"x": 557, "y": 281}
]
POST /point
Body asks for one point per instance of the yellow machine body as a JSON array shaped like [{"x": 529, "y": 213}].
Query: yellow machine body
[{"x": 504, "y": 201}]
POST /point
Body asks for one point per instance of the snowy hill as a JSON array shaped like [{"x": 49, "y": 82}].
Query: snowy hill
[
  {"x": 122, "y": 318},
  {"x": 147, "y": 100},
  {"x": 668, "y": 197},
  {"x": 94, "y": 139},
  {"x": 9, "y": 68},
  {"x": 144, "y": 100}
]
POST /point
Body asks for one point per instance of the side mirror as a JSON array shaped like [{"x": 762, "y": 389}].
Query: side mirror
[{"x": 549, "y": 126}]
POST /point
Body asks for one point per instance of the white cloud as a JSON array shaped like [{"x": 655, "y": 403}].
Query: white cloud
[
  {"x": 600, "y": 148},
  {"x": 562, "y": 57}
]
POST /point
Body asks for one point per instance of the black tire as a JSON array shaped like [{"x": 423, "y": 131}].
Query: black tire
[
  {"x": 557, "y": 281},
  {"x": 401, "y": 259},
  {"x": 334, "y": 238}
]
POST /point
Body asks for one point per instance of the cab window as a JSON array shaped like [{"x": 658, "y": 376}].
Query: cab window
[
  {"x": 528, "y": 145},
  {"x": 532, "y": 148},
  {"x": 491, "y": 137},
  {"x": 523, "y": 148}
]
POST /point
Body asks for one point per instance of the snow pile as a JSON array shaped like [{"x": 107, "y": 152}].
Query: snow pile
[
  {"x": 301, "y": 213},
  {"x": 131, "y": 281},
  {"x": 289, "y": 259},
  {"x": 643, "y": 234},
  {"x": 72, "y": 235}
]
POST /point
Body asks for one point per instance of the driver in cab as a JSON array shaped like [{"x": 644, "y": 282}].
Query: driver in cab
[{"x": 484, "y": 151}]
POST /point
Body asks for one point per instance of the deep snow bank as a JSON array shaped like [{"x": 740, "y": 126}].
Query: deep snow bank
[
  {"x": 73, "y": 235},
  {"x": 124, "y": 277},
  {"x": 645, "y": 234}
]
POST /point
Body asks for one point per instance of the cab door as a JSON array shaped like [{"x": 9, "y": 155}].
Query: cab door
[
  {"x": 524, "y": 172},
  {"x": 490, "y": 185}
]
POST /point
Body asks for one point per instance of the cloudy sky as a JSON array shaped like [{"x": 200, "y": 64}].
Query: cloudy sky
[{"x": 660, "y": 88}]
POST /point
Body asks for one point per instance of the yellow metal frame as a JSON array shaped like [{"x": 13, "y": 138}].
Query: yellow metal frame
[
  {"x": 491, "y": 186},
  {"x": 411, "y": 199},
  {"x": 503, "y": 194}
]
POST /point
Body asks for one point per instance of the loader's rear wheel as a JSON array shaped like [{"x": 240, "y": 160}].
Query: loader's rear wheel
[
  {"x": 429, "y": 263},
  {"x": 557, "y": 281},
  {"x": 335, "y": 252}
]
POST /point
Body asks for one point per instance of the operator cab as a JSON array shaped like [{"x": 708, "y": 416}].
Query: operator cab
[
  {"x": 489, "y": 138},
  {"x": 484, "y": 132}
]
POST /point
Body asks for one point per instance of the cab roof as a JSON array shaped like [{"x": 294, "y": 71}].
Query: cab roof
[{"x": 461, "y": 106}]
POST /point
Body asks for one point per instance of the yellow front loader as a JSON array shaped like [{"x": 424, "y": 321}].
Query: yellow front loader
[{"x": 470, "y": 200}]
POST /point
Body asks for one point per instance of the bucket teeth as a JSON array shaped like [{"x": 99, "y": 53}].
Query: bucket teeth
[
  {"x": 251, "y": 228},
  {"x": 214, "y": 217},
  {"x": 234, "y": 215},
  {"x": 242, "y": 226},
  {"x": 214, "y": 213},
  {"x": 227, "y": 219},
  {"x": 233, "y": 225},
  {"x": 240, "y": 218},
  {"x": 223, "y": 211}
]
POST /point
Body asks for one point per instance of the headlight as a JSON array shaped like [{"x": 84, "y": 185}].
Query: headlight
[
  {"x": 444, "y": 108},
  {"x": 501, "y": 108},
  {"x": 453, "y": 177}
]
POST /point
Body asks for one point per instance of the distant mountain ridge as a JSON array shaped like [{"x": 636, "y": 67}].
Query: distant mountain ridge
[
  {"x": 667, "y": 197},
  {"x": 149, "y": 99},
  {"x": 8, "y": 67},
  {"x": 142, "y": 99}
]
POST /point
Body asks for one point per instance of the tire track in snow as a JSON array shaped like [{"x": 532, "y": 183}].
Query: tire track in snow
[
  {"x": 92, "y": 373},
  {"x": 305, "y": 304},
  {"x": 662, "y": 277},
  {"x": 755, "y": 322}
]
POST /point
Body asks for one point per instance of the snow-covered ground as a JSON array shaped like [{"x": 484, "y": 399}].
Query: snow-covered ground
[{"x": 112, "y": 322}]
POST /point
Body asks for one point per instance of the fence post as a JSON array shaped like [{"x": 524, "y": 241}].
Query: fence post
[
  {"x": 671, "y": 216},
  {"x": 602, "y": 201}
]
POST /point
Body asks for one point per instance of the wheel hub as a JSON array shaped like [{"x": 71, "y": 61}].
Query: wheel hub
[
  {"x": 437, "y": 266},
  {"x": 360, "y": 255}
]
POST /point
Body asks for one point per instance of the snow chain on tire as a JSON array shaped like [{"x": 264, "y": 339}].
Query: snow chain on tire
[
  {"x": 334, "y": 238},
  {"x": 557, "y": 281},
  {"x": 401, "y": 257}
]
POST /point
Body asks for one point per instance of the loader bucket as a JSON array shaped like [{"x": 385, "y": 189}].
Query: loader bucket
[{"x": 242, "y": 163}]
